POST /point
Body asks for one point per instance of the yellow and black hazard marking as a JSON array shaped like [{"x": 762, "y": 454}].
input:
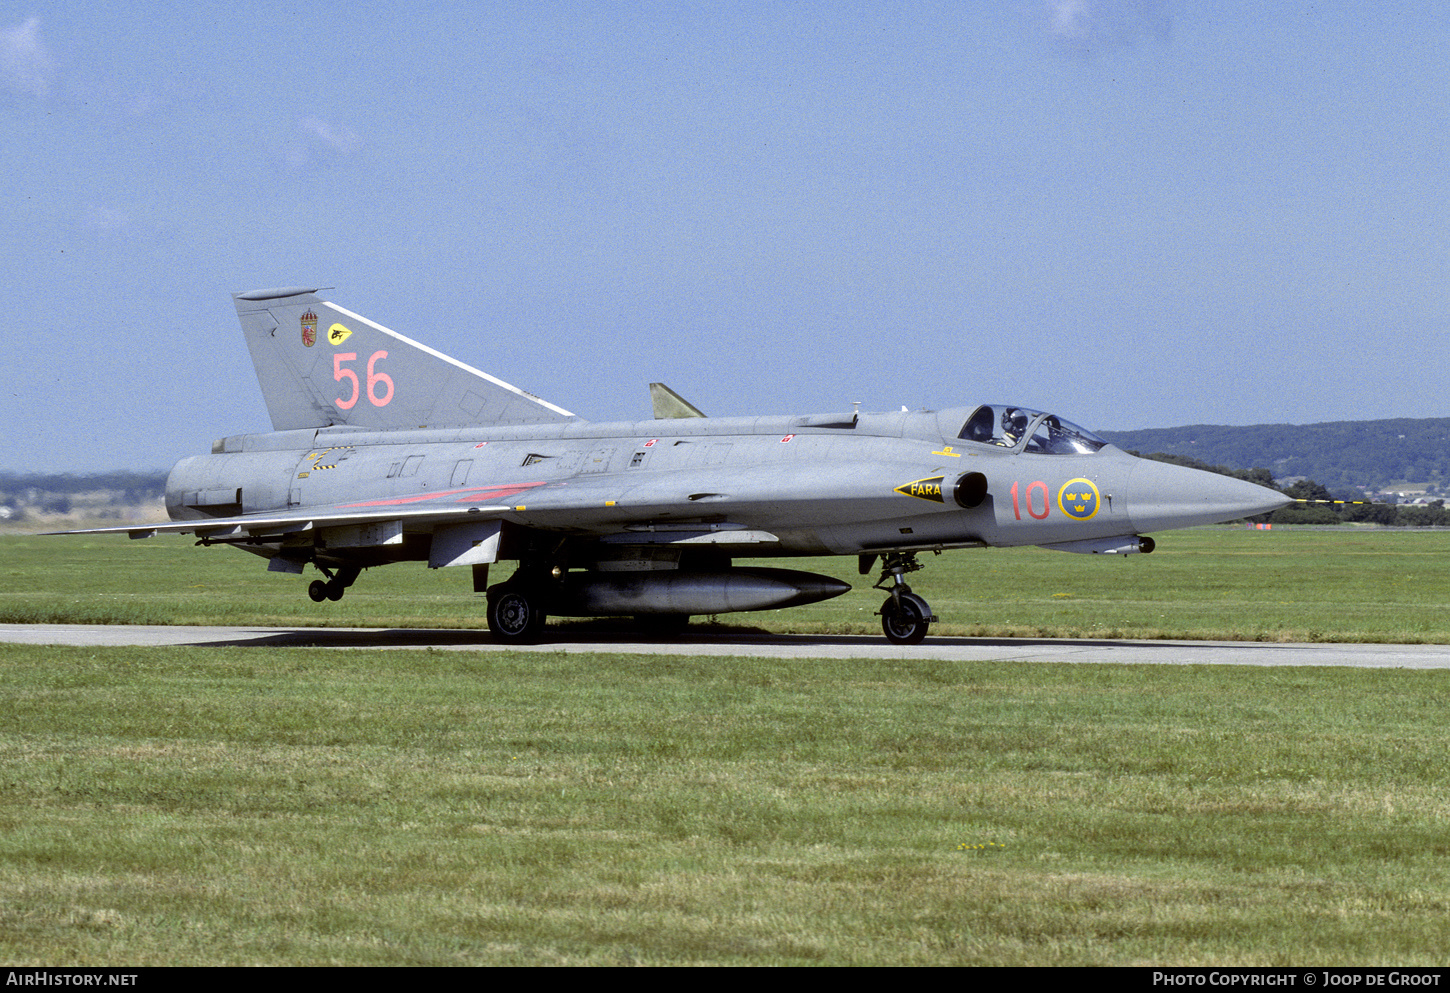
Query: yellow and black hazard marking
[
  {"x": 316, "y": 458},
  {"x": 923, "y": 489},
  {"x": 1335, "y": 501}
]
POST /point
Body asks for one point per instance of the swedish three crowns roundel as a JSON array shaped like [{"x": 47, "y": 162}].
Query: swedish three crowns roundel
[{"x": 1079, "y": 499}]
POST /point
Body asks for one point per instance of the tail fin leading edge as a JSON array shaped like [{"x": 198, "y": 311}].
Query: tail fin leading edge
[{"x": 320, "y": 365}]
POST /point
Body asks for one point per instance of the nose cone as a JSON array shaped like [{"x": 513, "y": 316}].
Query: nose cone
[{"x": 1164, "y": 496}]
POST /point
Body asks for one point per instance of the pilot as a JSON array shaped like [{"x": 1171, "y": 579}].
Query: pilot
[{"x": 1014, "y": 423}]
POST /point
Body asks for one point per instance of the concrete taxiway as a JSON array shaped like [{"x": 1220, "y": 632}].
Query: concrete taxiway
[{"x": 734, "y": 644}]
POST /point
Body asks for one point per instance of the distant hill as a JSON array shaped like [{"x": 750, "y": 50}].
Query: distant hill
[
  {"x": 1341, "y": 455},
  {"x": 65, "y": 499}
]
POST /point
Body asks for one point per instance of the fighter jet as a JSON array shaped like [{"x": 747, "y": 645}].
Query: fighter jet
[{"x": 384, "y": 450}]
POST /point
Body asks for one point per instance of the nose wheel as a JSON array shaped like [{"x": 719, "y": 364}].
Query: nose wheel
[{"x": 905, "y": 617}]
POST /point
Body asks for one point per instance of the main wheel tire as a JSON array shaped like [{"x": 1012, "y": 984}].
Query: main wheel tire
[
  {"x": 516, "y": 615},
  {"x": 906, "y": 619},
  {"x": 317, "y": 591}
]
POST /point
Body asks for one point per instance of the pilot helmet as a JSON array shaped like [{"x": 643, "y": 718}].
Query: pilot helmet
[{"x": 1014, "y": 422}]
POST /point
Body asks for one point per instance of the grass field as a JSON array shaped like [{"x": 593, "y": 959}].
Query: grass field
[
  {"x": 301, "y": 806},
  {"x": 305, "y": 806}
]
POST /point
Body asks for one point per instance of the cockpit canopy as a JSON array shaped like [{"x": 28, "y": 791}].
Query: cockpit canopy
[{"x": 1046, "y": 434}]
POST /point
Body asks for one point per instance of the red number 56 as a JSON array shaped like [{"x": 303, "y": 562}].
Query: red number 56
[{"x": 375, "y": 378}]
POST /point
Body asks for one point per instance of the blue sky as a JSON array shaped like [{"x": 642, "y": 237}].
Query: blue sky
[{"x": 1136, "y": 213}]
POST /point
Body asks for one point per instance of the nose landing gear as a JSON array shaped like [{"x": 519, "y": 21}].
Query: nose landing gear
[{"x": 905, "y": 617}]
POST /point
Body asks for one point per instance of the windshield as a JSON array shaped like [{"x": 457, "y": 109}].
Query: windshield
[{"x": 1046, "y": 434}]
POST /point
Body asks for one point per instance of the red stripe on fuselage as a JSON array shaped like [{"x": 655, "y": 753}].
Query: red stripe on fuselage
[{"x": 471, "y": 495}]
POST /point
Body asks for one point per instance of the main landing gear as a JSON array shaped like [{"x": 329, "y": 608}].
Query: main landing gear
[
  {"x": 516, "y": 612},
  {"x": 518, "y": 607},
  {"x": 905, "y": 617},
  {"x": 335, "y": 586}
]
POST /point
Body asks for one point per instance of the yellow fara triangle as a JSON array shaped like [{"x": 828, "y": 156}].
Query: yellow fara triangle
[{"x": 337, "y": 334}]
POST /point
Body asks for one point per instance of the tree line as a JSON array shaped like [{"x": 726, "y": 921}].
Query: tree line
[
  {"x": 1347, "y": 457},
  {"x": 1321, "y": 506},
  {"x": 58, "y": 493}
]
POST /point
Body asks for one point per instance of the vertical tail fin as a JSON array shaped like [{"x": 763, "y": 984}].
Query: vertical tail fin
[{"x": 319, "y": 364}]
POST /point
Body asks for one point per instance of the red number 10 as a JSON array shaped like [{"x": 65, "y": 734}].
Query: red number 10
[{"x": 1031, "y": 488}]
